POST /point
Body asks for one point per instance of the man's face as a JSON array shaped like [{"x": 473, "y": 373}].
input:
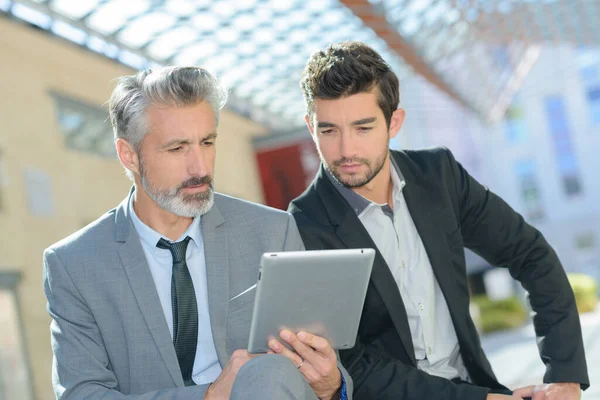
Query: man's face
[
  {"x": 352, "y": 137},
  {"x": 177, "y": 158}
]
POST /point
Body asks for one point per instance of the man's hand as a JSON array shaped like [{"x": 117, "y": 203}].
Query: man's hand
[
  {"x": 501, "y": 397},
  {"x": 315, "y": 359},
  {"x": 221, "y": 388},
  {"x": 552, "y": 391}
]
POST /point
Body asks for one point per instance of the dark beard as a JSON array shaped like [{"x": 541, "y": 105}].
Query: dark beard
[{"x": 372, "y": 174}]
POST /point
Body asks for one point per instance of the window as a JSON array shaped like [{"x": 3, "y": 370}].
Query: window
[
  {"x": 515, "y": 125},
  {"x": 39, "y": 193},
  {"x": 590, "y": 76},
  {"x": 84, "y": 126},
  {"x": 560, "y": 132},
  {"x": 586, "y": 259},
  {"x": 529, "y": 189},
  {"x": 501, "y": 57},
  {"x": 585, "y": 241},
  {"x": 14, "y": 369}
]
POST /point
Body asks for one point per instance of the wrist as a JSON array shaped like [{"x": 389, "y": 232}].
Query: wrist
[
  {"x": 210, "y": 392},
  {"x": 336, "y": 396}
]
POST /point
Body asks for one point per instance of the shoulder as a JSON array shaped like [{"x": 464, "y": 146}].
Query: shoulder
[
  {"x": 91, "y": 241},
  {"x": 239, "y": 210},
  {"x": 309, "y": 205},
  {"x": 90, "y": 237},
  {"x": 423, "y": 161}
]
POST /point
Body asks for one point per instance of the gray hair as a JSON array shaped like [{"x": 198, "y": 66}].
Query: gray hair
[{"x": 168, "y": 86}]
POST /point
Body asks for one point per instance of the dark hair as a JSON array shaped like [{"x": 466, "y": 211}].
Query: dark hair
[{"x": 348, "y": 68}]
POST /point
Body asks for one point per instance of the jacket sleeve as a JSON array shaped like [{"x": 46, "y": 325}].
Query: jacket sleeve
[
  {"x": 493, "y": 230},
  {"x": 80, "y": 368}
]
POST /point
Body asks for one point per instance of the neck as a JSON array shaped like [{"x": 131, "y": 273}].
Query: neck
[
  {"x": 164, "y": 222},
  {"x": 379, "y": 189}
]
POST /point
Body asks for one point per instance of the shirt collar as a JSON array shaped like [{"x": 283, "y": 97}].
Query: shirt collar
[
  {"x": 360, "y": 203},
  {"x": 150, "y": 237},
  {"x": 397, "y": 178}
]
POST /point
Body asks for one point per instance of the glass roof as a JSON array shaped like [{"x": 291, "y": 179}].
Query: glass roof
[
  {"x": 483, "y": 49},
  {"x": 257, "y": 48},
  {"x": 478, "y": 51}
]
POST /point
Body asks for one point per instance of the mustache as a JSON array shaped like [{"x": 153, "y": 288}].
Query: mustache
[
  {"x": 196, "y": 181},
  {"x": 345, "y": 160}
]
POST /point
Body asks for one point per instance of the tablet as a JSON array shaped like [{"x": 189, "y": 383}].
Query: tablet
[{"x": 321, "y": 292}]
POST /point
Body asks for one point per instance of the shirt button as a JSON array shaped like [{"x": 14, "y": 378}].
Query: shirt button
[
  {"x": 421, "y": 307},
  {"x": 402, "y": 264},
  {"x": 429, "y": 351}
]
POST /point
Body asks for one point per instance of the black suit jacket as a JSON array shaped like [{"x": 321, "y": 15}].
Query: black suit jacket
[{"x": 451, "y": 210}]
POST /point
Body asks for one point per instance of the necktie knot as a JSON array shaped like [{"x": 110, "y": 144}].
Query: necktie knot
[{"x": 177, "y": 249}]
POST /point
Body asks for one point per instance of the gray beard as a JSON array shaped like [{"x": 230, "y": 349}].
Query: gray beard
[{"x": 171, "y": 200}]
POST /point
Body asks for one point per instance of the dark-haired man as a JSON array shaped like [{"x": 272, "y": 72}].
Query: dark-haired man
[{"x": 419, "y": 209}]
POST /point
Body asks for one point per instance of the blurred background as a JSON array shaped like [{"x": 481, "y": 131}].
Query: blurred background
[{"x": 512, "y": 87}]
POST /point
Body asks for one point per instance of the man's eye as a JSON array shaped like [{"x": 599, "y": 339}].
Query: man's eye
[{"x": 175, "y": 149}]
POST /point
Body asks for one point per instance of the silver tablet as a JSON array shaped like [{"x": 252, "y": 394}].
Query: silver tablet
[{"x": 321, "y": 292}]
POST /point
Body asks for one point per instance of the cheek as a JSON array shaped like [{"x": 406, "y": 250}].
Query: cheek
[
  {"x": 328, "y": 148},
  {"x": 166, "y": 172},
  {"x": 209, "y": 157},
  {"x": 212, "y": 156},
  {"x": 375, "y": 148}
]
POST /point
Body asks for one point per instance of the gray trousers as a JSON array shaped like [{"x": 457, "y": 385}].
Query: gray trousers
[{"x": 271, "y": 377}]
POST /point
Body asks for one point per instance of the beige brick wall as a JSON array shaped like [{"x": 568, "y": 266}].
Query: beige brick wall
[{"x": 83, "y": 186}]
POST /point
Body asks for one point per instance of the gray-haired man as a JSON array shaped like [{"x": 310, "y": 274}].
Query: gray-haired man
[{"x": 150, "y": 301}]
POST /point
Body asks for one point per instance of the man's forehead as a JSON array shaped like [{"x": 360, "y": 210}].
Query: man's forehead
[{"x": 348, "y": 112}]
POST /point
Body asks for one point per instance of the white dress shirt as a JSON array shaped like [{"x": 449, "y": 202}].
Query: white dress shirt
[
  {"x": 206, "y": 364},
  {"x": 434, "y": 339}
]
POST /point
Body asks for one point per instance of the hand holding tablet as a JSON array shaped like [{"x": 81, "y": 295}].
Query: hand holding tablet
[{"x": 320, "y": 292}]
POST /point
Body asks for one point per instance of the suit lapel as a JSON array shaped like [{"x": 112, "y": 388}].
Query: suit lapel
[
  {"x": 143, "y": 287},
  {"x": 215, "y": 240},
  {"x": 354, "y": 235},
  {"x": 425, "y": 213}
]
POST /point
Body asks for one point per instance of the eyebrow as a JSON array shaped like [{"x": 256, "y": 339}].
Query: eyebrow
[
  {"x": 180, "y": 141},
  {"x": 210, "y": 136},
  {"x": 363, "y": 121}
]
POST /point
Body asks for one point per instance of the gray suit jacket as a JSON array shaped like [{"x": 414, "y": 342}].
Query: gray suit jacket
[{"x": 109, "y": 335}]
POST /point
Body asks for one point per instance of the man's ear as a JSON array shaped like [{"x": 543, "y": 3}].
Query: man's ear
[
  {"x": 309, "y": 125},
  {"x": 127, "y": 155},
  {"x": 396, "y": 121}
]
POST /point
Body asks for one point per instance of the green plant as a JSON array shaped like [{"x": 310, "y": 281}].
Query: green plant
[
  {"x": 497, "y": 315},
  {"x": 585, "y": 289}
]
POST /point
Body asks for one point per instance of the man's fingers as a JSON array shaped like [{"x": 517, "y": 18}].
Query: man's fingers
[
  {"x": 304, "y": 365},
  {"x": 316, "y": 342},
  {"x": 526, "y": 391},
  {"x": 539, "y": 396},
  {"x": 303, "y": 350},
  {"x": 279, "y": 348}
]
